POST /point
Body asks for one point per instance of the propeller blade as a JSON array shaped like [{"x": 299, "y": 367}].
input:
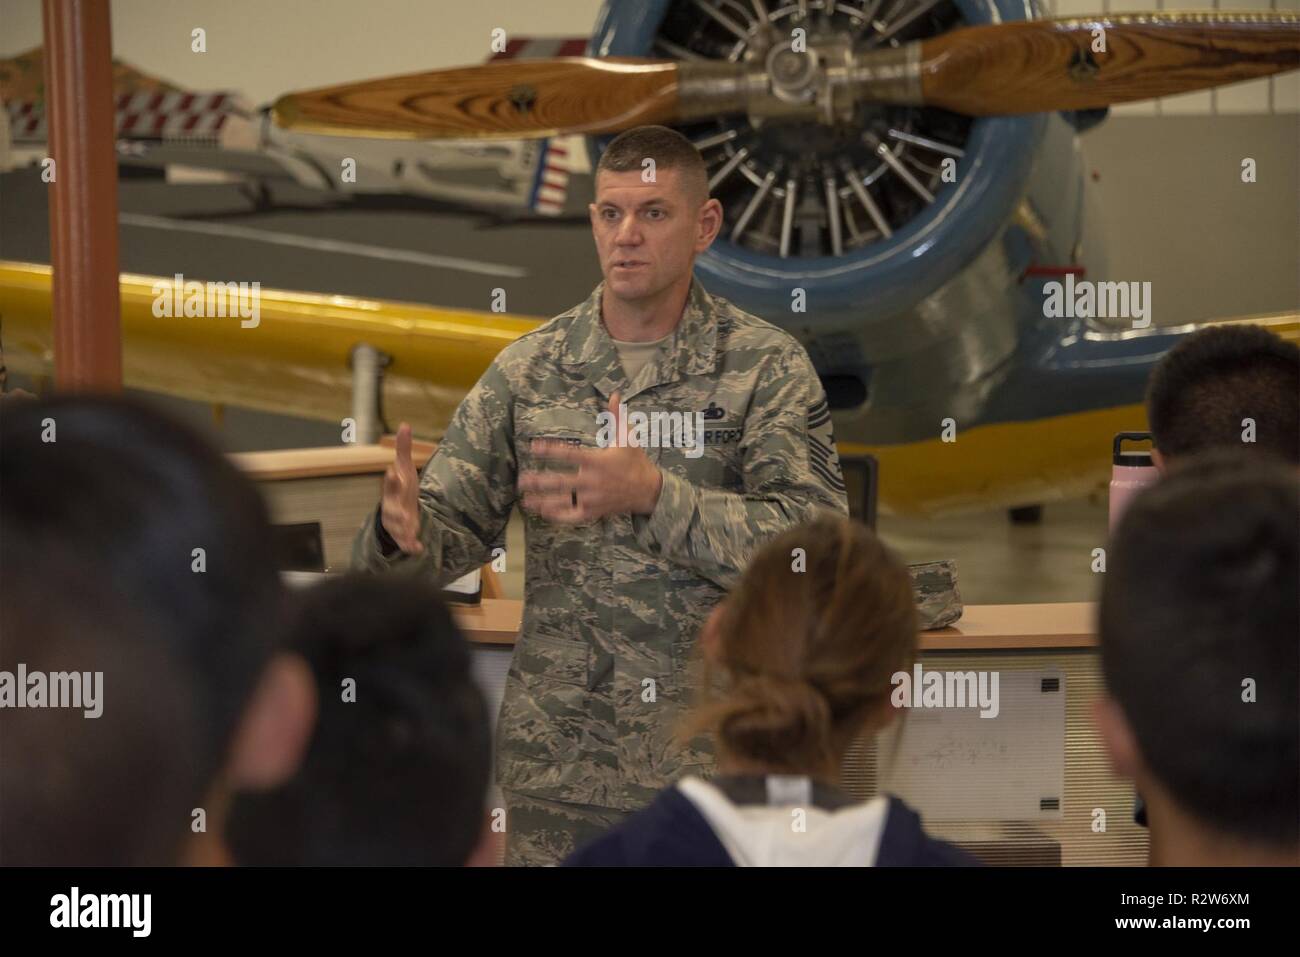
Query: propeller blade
[
  {"x": 1029, "y": 66},
  {"x": 504, "y": 100},
  {"x": 1075, "y": 63}
]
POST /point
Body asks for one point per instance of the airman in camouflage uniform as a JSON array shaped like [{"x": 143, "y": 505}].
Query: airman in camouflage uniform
[{"x": 599, "y": 676}]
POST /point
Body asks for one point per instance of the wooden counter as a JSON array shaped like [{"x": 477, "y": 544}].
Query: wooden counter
[
  {"x": 1009, "y": 627},
  {"x": 494, "y": 621},
  {"x": 282, "y": 465},
  {"x": 981, "y": 628}
]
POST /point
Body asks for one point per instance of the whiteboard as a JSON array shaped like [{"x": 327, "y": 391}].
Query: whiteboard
[{"x": 953, "y": 765}]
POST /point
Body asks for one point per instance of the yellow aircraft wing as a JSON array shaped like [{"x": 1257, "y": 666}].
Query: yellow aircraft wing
[{"x": 295, "y": 361}]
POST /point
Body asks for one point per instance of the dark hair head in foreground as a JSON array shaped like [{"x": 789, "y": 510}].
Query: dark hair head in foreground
[
  {"x": 397, "y": 771},
  {"x": 131, "y": 547},
  {"x": 1203, "y": 390},
  {"x": 808, "y": 650},
  {"x": 1199, "y": 622}
]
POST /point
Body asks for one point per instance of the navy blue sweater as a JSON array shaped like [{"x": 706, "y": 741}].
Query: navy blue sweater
[{"x": 671, "y": 832}]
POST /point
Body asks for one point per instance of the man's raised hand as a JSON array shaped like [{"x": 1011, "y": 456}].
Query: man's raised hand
[
  {"x": 400, "y": 506},
  {"x": 610, "y": 481}
]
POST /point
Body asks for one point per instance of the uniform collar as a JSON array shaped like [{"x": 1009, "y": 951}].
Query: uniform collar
[{"x": 588, "y": 345}]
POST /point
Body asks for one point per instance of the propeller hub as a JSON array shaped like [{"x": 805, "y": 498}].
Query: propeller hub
[
  {"x": 809, "y": 160},
  {"x": 792, "y": 72}
]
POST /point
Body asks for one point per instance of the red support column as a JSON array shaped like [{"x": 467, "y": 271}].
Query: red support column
[{"x": 79, "y": 110}]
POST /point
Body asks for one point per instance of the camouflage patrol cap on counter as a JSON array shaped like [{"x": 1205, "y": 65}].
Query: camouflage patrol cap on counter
[{"x": 938, "y": 602}]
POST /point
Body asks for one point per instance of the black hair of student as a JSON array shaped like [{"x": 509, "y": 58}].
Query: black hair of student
[
  {"x": 399, "y": 774},
  {"x": 1200, "y": 600},
  {"x": 103, "y": 504},
  {"x": 1204, "y": 387}
]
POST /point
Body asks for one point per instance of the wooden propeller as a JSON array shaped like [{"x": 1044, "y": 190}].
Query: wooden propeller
[
  {"x": 1020, "y": 67},
  {"x": 503, "y": 100},
  {"x": 1036, "y": 66}
]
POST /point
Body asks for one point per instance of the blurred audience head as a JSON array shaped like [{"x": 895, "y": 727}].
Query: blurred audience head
[
  {"x": 1226, "y": 386},
  {"x": 1199, "y": 625},
  {"x": 398, "y": 768},
  {"x": 137, "y": 572},
  {"x": 806, "y": 646}
]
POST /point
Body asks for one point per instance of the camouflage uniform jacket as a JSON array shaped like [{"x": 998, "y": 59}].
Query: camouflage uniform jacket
[{"x": 599, "y": 676}]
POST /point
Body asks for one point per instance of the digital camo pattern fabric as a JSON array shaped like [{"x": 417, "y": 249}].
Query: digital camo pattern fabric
[
  {"x": 540, "y": 833},
  {"x": 938, "y": 602},
  {"x": 600, "y": 677}
]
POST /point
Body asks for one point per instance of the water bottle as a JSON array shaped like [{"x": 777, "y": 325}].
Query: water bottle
[{"x": 1130, "y": 473}]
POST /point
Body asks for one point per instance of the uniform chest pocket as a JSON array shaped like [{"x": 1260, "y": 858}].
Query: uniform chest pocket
[
  {"x": 558, "y": 422},
  {"x": 707, "y": 465},
  {"x": 570, "y": 426}
]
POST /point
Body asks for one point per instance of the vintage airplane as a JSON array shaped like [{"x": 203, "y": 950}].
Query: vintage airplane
[
  {"x": 189, "y": 135},
  {"x": 911, "y": 165}
]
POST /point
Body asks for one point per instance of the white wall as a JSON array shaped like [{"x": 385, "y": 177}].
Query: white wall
[
  {"x": 263, "y": 48},
  {"x": 1175, "y": 212}
]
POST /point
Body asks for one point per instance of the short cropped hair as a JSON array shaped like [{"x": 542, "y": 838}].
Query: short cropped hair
[
  {"x": 128, "y": 546},
  {"x": 398, "y": 767},
  {"x": 668, "y": 148},
  {"x": 1204, "y": 387},
  {"x": 1198, "y": 622}
]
